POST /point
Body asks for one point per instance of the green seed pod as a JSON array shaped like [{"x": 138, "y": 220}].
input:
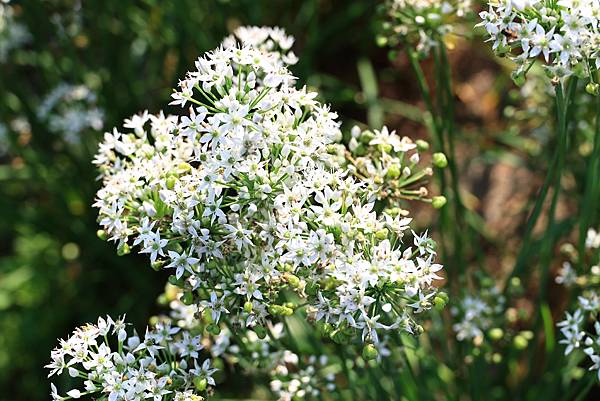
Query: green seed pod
[
  {"x": 593, "y": 89},
  {"x": 370, "y": 352},
  {"x": 381, "y": 40},
  {"x": 439, "y": 303},
  {"x": 213, "y": 329},
  {"x": 292, "y": 280},
  {"x": 171, "y": 181},
  {"x": 123, "y": 249},
  {"x": 382, "y": 234},
  {"x": 422, "y": 145},
  {"x": 496, "y": 333},
  {"x": 248, "y": 307},
  {"x": 393, "y": 171},
  {"x": 102, "y": 235},
  {"x": 520, "y": 342},
  {"x": 187, "y": 298},
  {"x": 366, "y": 137},
  {"x": 200, "y": 383},
  {"x": 438, "y": 202},
  {"x": 440, "y": 160},
  {"x": 157, "y": 265},
  {"x": 183, "y": 168}
]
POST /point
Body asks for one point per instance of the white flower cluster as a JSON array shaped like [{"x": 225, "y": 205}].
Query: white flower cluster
[
  {"x": 13, "y": 34},
  {"x": 424, "y": 22},
  {"x": 581, "y": 329},
  {"x": 164, "y": 364},
  {"x": 477, "y": 314},
  {"x": 271, "y": 40},
  {"x": 295, "y": 378},
  {"x": 69, "y": 110},
  {"x": 564, "y": 33},
  {"x": 247, "y": 195}
]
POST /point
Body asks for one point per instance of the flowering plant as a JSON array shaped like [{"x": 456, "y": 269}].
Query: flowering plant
[
  {"x": 249, "y": 195},
  {"x": 563, "y": 33}
]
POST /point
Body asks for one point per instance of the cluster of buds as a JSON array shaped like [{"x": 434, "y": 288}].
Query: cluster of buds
[{"x": 423, "y": 24}]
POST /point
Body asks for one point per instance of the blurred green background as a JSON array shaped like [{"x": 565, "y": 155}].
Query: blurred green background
[{"x": 55, "y": 273}]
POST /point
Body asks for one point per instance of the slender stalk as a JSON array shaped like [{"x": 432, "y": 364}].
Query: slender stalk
[
  {"x": 592, "y": 189},
  {"x": 561, "y": 110}
]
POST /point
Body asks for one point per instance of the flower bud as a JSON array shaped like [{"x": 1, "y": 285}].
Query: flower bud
[
  {"x": 370, "y": 352},
  {"x": 520, "y": 342},
  {"x": 440, "y": 301},
  {"x": 157, "y": 265},
  {"x": 187, "y": 298},
  {"x": 292, "y": 280},
  {"x": 422, "y": 145},
  {"x": 440, "y": 160},
  {"x": 200, "y": 383},
  {"x": 248, "y": 307},
  {"x": 496, "y": 333},
  {"x": 438, "y": 202},
  {"x": 213, "y": 329},
  {"x": 102, "y": 235},
  {"x": 366, "y": 137},
  {"x": 382, "y": 234},
  {"x": 123, "y": 249},
  {"x": 393, "y": 171},
  {"x": 593, "y": 89},
  {"x": 171, "y": 181}
]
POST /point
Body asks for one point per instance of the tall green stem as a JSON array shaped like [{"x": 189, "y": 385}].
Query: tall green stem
[
  {"x": 554, "y": 173},
  {"x": 592, "y": 189}
]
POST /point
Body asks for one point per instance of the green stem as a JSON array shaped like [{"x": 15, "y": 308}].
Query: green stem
[
  {"x": 592, "y": 189},
  {"x": 561, "y": 110}
]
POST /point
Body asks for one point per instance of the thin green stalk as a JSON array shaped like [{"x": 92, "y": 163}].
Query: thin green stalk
[
  {"x": 447, "y": 108},
  {"x": 561, "y": 110},
  {"x": 592, "y": 189}
]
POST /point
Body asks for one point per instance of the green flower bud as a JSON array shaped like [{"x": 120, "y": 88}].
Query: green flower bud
[
  {"x": 157, "y": 265},
  {"x": 213, "y": 329},
  {"x": 370, "y": 352},
  {"x": 102, "y": 235},
  {"x": 248, "y": 307},
  {"x": 440, "y": 160},
  {"x": 385, "y": 148},
  {"x": 439, "y": 302},
  {"x": 382, "y": 234},
  {"x": 187, "y": 298},
  {"x": 366, "y": 137},
  {"x": 520, "y": 342},
  {"x": 496, "y": 333},
  {"x": 381, "y": 40},
  {"x": 200, "y": 383},
  {"x": 123, "y": 249},
  {"x": 438, "y": 202},
  {"x": 393, "y": 171},
  {"x": 422, "y": 145},
  {"x": 593, "y": 89},
  {"x": 183, "y": 168},
  {"x": 171, "y": 181},
  {"x": 292, "y": 280}
]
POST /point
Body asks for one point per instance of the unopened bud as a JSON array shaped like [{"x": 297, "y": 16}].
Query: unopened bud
[
  {"x": 102, "y": 235},
  {"x": 438, "y": 202},
  {"x": 593, "y": 89},
  {"x": 440, "y": 160},
  {"x": 370, "y": 352}
]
